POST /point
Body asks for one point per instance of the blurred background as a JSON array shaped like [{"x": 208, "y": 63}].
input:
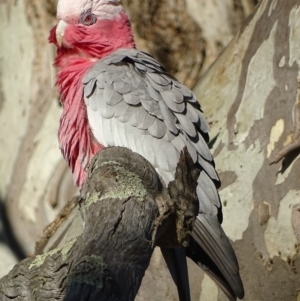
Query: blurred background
[{"x": 241, "y": 58}]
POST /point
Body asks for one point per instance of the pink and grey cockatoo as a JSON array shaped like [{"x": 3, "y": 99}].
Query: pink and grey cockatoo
[{"x": 115, "y": 95}]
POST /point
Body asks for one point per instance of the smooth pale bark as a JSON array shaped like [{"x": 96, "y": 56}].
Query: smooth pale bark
[
  {"x": 251, "y": 98},
  {"x": 33, "y": 184}
]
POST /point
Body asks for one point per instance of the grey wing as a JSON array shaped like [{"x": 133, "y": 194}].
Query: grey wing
[{"x": 131, "y": 101}]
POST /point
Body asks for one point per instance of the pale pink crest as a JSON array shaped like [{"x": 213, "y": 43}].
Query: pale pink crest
[{"x": 103, "y": 9}]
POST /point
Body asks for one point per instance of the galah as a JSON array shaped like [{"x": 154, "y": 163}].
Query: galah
[{"x": 115, "y": 95}]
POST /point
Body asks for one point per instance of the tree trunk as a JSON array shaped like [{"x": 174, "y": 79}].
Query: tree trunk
[{"x": 251, "y": 98}]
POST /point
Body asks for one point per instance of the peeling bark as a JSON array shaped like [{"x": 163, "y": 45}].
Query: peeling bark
[{"x": 250, "y": 96}]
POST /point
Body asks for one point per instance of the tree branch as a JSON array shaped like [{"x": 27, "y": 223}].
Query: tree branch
[{"x": 127, "y": 211}]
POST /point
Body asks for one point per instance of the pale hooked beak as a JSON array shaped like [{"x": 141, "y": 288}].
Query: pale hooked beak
[{"x": 60, "y": 30}]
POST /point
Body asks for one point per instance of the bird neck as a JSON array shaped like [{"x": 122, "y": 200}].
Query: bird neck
[{"x": 76, "y": 140}]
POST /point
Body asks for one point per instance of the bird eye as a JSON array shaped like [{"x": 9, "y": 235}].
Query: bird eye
[{"x": 88, "y": 18}]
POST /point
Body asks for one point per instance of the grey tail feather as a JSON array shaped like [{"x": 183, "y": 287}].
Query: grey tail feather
[
  {"x": 214, "y": 254},
  {"x": 177, "y": 265},
  {"x": 196, "y": 253}
]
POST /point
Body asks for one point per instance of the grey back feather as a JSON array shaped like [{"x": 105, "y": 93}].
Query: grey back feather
[{"x": 133, "y": 89}]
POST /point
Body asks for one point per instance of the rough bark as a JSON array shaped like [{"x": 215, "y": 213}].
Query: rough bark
[
  {"x": 251, "y": 96},
  {"x": 126, "y": 211}
]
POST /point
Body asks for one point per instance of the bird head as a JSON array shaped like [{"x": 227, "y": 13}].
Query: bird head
[{"x": 91, "y": 28}]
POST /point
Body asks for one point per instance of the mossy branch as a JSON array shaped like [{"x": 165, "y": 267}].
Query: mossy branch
[{"x": 127, "y": 211}]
